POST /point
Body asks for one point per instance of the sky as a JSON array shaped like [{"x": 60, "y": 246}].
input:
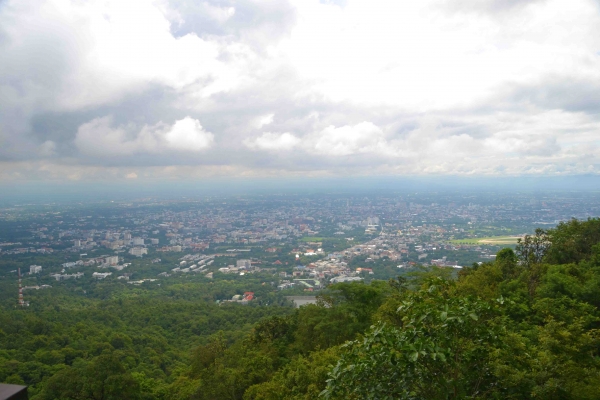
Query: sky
[{"x": 171, "y": 90}]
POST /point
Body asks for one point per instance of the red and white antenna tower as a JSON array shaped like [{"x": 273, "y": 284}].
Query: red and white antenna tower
[{"x": 21, "y": 301}]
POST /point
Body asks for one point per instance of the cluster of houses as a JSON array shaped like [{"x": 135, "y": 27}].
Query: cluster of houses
[
  {"x": 241, "y": 298},
  {"x": 192, "y": 263}
]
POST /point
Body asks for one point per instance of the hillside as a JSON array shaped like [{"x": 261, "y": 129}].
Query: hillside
[{"x": 523, "y": 326}]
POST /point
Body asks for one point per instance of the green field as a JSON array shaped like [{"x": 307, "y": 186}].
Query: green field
[
  {"x": 493, "y": 240},
  {"x": 312, "y": 239}
]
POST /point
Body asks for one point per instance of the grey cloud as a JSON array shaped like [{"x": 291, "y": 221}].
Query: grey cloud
[
  {"x": 490, "y": 7},
  {"x": 148, "y": 107},
  {"x": 534, "y": 146},
  {"x": 497, "y": 135},
  {"x": 253, "y": 21},
  {"x": 575, "y": 95}
]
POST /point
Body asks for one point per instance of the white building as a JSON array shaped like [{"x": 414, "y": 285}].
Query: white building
[
  {"x": 247, "y": 264},
  {"x": 138, "y": 251},
  {"x": 154, "y": 241},
  {"x": 138, "y": 241},
  {"x": 62, "y": 277},
  {"x": 35, "y": 269},
  {"x": 112, "y": 260},
  {"x": 101, "y": 275},
  {"x": 343, "y": 278}
]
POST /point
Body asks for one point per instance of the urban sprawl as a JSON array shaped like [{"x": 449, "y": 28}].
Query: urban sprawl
[{"x": 297, "y": 244}]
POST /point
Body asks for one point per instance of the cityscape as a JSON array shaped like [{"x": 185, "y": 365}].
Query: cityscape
[{"x": 298, "y": 244}]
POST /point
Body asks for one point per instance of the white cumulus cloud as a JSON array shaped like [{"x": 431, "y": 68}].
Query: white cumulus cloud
[
  {"x": 263, "y": 120},
  {"x": 188, "y": 135},
  {"x": 364, "y": 137},
  {"x": 272, "y": 141},
  {"x": 99, "y": 138}
]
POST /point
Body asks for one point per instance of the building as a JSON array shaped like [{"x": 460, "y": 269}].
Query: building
[
  {"x": 35, "y": 269},
  {"x": 138, "y": 251},
  {"x": 342, "y": 278},
  {"x": 138, "y": 241},
  {"x": 154, "y": 241},
  {"x": 72, "y": 264},
  {"x": 101, "y": 275},
  {"x": 62, "y": 277},
  {"x": 245, "y": 264},
  {"x": 112, "y": 260},
  {"x": 36, "y": 287},
  {"x": 13, "y": 392}
]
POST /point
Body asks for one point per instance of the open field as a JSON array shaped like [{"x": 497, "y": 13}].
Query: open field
[
  {"x": 312, "y": 239},
  {"x": 493, "y": 240}
]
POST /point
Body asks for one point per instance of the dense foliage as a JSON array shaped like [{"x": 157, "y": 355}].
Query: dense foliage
[{"x": 524, "y": 326}]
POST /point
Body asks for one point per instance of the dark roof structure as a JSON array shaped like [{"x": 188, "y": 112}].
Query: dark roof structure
[{"x": 13, "y": 392}]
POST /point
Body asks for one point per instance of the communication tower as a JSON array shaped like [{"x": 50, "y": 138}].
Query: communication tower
[{"x": 21, "y": 301}]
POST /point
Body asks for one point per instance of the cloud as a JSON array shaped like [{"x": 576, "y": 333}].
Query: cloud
[
  {"x": 364, "y": 137},
  {"x": 419, "y": 57},
  {"x": 272, "y": 141},
  {"x": 263, "y": 120},
  {"x": 188, "y": 135},
  {"x": 99, "y": 138},
  {"x": 325, "y": 87},
  {"x": 47, "y": 149},
  {"x": 559, "y": 92},
  {"x": 529, "y": 145},
  {"x": 253, "y": 22},
  {"x": 489, "y": 6}
]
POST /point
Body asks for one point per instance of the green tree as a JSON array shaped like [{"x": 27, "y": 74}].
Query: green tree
[
  {"x": 104, "y": 378},
  {"x": 573, "y": 241},
  {"x": 531, "y": 249},
  {"x": 441, "y": 350},
  {"x": 302, "y": 379}
]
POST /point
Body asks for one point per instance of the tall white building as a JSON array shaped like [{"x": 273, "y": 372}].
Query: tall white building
[
  {"x": 138, "y": 241},
  {"x": 138, "y": 251},
  {"x": 35, "y": 269},
  {"x": 112, "y": 260}
]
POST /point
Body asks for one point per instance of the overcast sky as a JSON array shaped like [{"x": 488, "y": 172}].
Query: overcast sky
[{"x": 188, "y": 89}]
